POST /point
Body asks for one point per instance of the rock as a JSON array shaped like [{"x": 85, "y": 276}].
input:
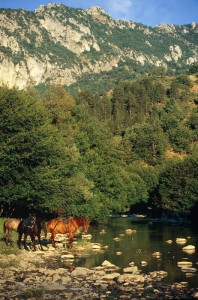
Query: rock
[
  {"x": 184, "y": 263},
  {"x": 86, "y": 236},
  {"x": 130, "y": 269},
  {"x": 117, "y": 239},
  {"x": 106, "y": 263},
  {"x": 169, "y": 241},
  {"x": 130, "y": 231},
  {"x": 131, "y": 278},
  {"x": 110, "y": 276},
  {"x": 144, "y": 263},
  {"x": 56, "y": 277},
  {"x": 65, "y": 280},
  {"x": 189, "y": 270},
  {"x": 80, "y": 271},
  {"x": 96, "y": 247},
  {"x": 181, "y": 241},
  {"x": 195, "y": 295},
  {"x": 67, "y": 256},
  {"x": 190, "y": 249},
  {"x": 54, "y": 287},
  {"x": 156, "y": 254}
]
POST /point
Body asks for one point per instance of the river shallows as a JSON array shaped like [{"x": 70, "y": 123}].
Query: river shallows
[{"x": 141, "y": 246}]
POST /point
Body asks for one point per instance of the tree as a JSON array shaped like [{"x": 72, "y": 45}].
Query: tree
[
  {"x": 33, "y": 156},
  {"x": 178, "y": 184},
  {"x": 148, "y": 142}
]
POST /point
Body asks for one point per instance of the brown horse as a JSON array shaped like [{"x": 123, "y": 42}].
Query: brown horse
[
  {"x": 69, "y": 226},
  {"x": 8, "y": 226},
  {"x": 31, "y": 226}
]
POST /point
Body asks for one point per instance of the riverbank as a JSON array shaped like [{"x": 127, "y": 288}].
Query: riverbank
[{"x": 51, "y": 274}]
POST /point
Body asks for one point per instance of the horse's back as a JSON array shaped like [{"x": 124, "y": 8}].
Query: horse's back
[
  {"x": 57, "y": 225},
  {"x": 12, "y": 224}
]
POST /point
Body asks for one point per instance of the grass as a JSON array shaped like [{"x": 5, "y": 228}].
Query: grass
[
  {"x": 37, "y": 293},
  {"x": 9, "y": 263}
]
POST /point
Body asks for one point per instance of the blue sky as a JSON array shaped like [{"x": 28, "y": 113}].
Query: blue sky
[{"x": 147, "y": 12}]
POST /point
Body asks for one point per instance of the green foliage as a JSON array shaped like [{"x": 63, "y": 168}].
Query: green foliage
[
  {"x": 148, "y": 142},
  {"x": 37, "y": 293},
  {"x": 32, "y": 153},
  {"x": 178, "y": 185},
  {"x": 193, "y": 69},
  {"x": 99, "y": 153}
]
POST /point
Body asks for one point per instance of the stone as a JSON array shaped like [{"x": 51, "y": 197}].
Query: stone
[
  {"x": 195, "y": 295},
  {"x": 169, "y": 241},
  {"x": 110, "y": 276},
  {"x": 80, "y": 271},
  {"x": 106, "y": 263},
  {"x": 184, "y": 263},
  {"x": 96, "y": 247},
  {"x": 181, "y": 241},
  {"x": 54, "y": 287},
  {"x": 189, "y": 247},
  {"x": 65, "y": 280},
  {"x": 86, "y": 236},
  {"x": 67, "y": 256},
  {"x": 130, "y": 269}
]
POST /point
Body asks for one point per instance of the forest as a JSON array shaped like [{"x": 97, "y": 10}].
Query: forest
[{"x": 131, "y": 148}]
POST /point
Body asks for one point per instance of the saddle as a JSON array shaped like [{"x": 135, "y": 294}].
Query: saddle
[{"x": 29, "y": 222}]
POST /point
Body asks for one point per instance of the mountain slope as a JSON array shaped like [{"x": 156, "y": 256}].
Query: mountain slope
[{"x": 59, "y": 44}]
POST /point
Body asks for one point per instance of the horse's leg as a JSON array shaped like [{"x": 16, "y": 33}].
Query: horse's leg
[
  {"x": 19, "y": 240},
  {"x": 71, "y": 234},
  {"x": 39, "y": 239},
  {"x": 10, "y": 237},
  {"x": 6, "y": 237},
  {"x": 24, "y": 242},
  {"x": 33, "y": 241},
  {"x": 53, "y": 235}
]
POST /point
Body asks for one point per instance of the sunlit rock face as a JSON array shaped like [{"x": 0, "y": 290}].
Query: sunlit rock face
[{"x": 59, "y": 44}]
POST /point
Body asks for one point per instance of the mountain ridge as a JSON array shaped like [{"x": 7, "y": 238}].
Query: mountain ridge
[{"x": 57, "y": 44}]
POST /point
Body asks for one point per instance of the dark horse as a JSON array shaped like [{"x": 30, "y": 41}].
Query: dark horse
[
  {"x": 31, "y": 226},
  {"x": 69, "y": 226}
]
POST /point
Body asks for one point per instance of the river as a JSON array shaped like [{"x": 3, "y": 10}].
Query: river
[{"x": 141, "y": 245}]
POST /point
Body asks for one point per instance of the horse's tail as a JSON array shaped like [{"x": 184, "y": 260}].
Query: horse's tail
[{"x": 4, "y": 227}]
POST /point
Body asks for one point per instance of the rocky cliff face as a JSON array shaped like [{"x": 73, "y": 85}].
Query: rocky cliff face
[{"x": 58, "y": 44}]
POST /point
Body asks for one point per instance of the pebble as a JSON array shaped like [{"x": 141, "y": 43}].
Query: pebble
[{"x": 53, "y": 281}]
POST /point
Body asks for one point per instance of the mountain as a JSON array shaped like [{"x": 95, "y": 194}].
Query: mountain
[{"x": 57, "y": 44}]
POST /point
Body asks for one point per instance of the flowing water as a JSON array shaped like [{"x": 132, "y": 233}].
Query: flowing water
[{"x": 140, "y": 246}]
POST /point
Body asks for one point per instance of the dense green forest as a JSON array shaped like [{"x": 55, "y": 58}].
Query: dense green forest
[{"x": 94, "y": 154}]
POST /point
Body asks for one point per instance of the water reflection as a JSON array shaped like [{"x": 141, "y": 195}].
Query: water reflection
[{"x": 140, "y": 246}]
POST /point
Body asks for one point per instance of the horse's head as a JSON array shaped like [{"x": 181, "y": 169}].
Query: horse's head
[{"x": 85, "y": 224}]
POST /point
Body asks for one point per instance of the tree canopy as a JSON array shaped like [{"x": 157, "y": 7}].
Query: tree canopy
[{"x": 92, "y": 155}]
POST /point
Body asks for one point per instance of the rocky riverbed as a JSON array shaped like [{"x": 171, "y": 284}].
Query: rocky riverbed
[{"x": 51, "y": 274}]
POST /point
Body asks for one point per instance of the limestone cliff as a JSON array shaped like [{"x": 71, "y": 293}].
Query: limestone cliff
[{"x": 59, "y": 44}]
